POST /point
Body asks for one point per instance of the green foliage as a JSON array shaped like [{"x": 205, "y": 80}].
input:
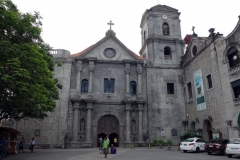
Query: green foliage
[
  {"x": 154, "y": 142},
  {"x": 188, "y": 135},
  {"x": 160, "y": 142},
  {"x": 157, "y": 142},
  {"x": 169, "y": 142},
  {"x": 27, "y": 85}
]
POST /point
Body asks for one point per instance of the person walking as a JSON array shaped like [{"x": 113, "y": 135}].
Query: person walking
[
  {"x": 100, "y": 143},
  {"x": 33, "y": 141},
  {"x": 105, "y": 146},
  {"x": 108, "y": 145},
  {"x": 21, "y": 144},
  {"x": 6, "y": 145}
]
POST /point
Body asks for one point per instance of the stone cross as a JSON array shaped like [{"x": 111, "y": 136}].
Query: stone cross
[
  {"x": 193, "y": 29},
  {"x": 110, "y": 24}
]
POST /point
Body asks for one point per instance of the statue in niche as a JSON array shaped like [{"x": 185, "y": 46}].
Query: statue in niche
[
  {"x": 82, "y": 125},
  {"x": 82, "y": 137},
  {"x": 133, "y": 126}
]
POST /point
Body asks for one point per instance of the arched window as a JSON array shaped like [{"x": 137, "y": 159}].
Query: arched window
[
  {"x": 233, "y": 57},
  {"x": 133, "y": 87},
  {"x": 194, "y": 50},
  {"x": 165, "y": 29},
  {"x": 167, "y": 51},
  {"x": 84, "y": 86}
]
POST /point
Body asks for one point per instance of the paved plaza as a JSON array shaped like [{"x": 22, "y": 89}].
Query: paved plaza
[{"x": 122, "y": 154}]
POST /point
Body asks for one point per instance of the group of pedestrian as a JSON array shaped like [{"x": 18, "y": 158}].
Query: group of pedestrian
[
  {"x": 4, "y": 145},
  {"x": 22, "y": 142},
  {"x": 104, "y": 146}
]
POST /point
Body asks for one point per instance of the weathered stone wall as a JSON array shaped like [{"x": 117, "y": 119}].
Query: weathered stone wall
[
  {"x": 165, "y": 111},
  {"x": 232, "y": 109},
  {"x": 206, "y": 60},
  {"x": 54, "y": 128}
]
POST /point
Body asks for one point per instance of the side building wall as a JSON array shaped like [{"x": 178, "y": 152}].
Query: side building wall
[{"x": 53, "y": 130}]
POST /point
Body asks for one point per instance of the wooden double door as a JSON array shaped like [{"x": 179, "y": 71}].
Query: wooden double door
[{"x": 109, "y": 126}]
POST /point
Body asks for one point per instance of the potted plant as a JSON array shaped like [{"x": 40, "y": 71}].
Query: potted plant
[
  {"x": 169, "y": 143},
  {"x": 160, "y": 143}
]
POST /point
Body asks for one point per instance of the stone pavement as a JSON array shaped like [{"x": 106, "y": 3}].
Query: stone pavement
[{"x": 122, "y": 154}]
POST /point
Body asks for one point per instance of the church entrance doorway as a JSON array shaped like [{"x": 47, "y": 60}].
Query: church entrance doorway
[
  {"x": 207, "y": 130},
  {"x": 109, "y": 126}
]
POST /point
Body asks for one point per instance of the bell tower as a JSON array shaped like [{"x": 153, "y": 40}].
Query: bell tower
[{"x": 161, "y": 36}]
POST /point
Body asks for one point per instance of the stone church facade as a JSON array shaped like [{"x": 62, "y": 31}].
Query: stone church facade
[{"x": 109, "y": 90}]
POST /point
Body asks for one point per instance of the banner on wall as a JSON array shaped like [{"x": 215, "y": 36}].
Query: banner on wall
[{"x": 198, "y": 82}]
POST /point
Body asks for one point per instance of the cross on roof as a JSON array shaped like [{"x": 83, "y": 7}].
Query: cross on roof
[
  {"x": 193, "y": 29},
  {"x": 110, "y": 23}
]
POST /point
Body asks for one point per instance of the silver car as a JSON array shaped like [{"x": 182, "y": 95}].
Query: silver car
[{"x": 233, "y": 147}]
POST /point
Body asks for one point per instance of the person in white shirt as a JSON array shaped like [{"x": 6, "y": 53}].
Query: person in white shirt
[{"x": 33, "y": 141}]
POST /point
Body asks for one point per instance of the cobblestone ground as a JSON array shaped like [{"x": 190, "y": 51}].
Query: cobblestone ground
[{"x": 122, "y": 154}]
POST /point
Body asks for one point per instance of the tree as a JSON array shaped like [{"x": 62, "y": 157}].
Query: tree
[{"x": 27, "y": 85}]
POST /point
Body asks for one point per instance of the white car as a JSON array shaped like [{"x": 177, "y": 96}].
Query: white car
[
  {"x": 193, "y": 144},
  {"x": 233, "y": 147}
]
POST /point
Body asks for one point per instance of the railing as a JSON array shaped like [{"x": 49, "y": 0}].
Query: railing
[
  {"x": 53, "y": 51},
  {"x": 234, "y": 70}
]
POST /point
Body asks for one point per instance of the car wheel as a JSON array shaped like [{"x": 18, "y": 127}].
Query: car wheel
[
  {"x": 209, "y": 153},
  {"x": 223, "y": 152},
  {"x": 197, "y": 150},
  {"x": 229, "y": 155},
  {"x": 184, "y": 151}
]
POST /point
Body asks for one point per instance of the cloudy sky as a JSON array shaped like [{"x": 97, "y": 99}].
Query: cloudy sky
[{"x": 76, "y": 24}]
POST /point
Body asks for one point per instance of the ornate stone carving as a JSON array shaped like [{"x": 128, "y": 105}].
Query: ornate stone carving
[
  {"x": 127, "y": 68},
  {"x": 79, "y": 65},
  {"x": 148, "y": 64},
  {"x": 91, "y": 66},
  {"x": 108, "y": 124},
  {"x": 139, "y": 69}
]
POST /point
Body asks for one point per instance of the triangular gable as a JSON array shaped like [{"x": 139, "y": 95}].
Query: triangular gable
[
  {"x": 163, "y": 8},
  {"x": 110, "y": 34}
]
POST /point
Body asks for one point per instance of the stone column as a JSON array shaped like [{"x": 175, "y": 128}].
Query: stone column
[
  {"x": 127, "y": 71},
  {"x": 91, "y": 69},
  {"x": 128, "y": 129},
  {"x": 79, "y": 68},
  {"x": 140, "y": 118},
  {"x": 139, "y": 84},
  {"x": 89, "y": 122},
  {"x": 76, "y": 108}
]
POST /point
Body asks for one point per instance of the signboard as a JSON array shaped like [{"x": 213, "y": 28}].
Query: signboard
[
  {"x": 215, "y": 135},
  {"x": 200, "y": 98}
]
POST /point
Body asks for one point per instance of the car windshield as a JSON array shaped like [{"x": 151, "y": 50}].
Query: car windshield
[
  {"x": 234, "y": 141},
  {"x": 189, "y": 140}
]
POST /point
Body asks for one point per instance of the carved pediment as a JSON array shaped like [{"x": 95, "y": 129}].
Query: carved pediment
[
  {"x": 164, "y": 8},
  {"x": 109, "y": 48}
]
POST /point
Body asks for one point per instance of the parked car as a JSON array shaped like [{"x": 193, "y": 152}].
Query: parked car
[
  {"x": 193, "y": 144},
  {"x": 233, "y": 147},
  {"x": 216, "y": 145}
]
